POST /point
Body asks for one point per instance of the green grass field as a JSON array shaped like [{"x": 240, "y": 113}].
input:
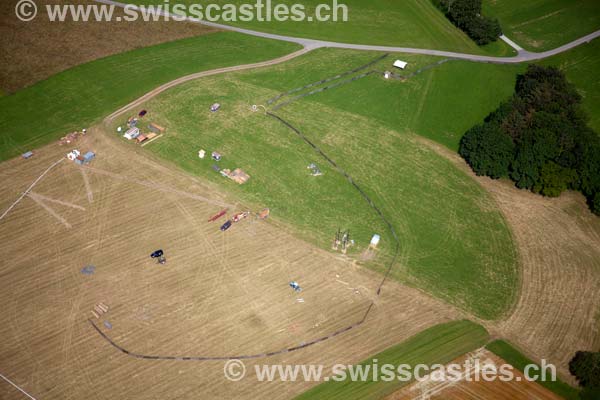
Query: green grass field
[
  {"x": 461, "y": 252},
  {"x": 539, "y": 25},
  {"x": 81, "y": 96},
  {"x": 581, "y": 65},
  {"x": 437, "y": 345},
  {"x": 441, "y": 103},
  {"x": 511, "y": 355},
  {"x": 410, "y": 23}
]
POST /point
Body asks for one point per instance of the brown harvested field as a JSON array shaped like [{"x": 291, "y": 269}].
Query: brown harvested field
[
  {"x": 558, "y": 311},
  {"x": 220, "y": 294},
  {"x": 33, "y": 51},
  {"x": 468, "y": 388}
]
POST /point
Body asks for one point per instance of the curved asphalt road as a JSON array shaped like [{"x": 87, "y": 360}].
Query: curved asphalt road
[{"x": 310, "y": 44}]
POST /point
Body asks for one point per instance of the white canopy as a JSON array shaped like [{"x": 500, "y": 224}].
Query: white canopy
[{"x": 400, "y": 64}]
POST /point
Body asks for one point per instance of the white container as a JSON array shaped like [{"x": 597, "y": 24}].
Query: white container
[{"x": 375, "y": 240}]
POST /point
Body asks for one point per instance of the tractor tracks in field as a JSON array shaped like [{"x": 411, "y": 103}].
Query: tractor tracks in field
[
  {"x": 304, "y": 344},
  {"x": 309, "y": 45}
]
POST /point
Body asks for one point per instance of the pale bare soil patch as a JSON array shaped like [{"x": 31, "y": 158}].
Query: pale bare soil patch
[
  {"x": 559, "y": 247},
  {"x": 33, "y": 51},
  {"x": 220, "y": 294},
  {"x": 468, "y": 387}
]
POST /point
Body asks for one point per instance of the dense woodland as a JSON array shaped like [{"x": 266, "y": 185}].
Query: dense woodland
[
  {"x": 585, "y": 366},
  {"x": 466, "y": 15},
  {"x": 539, "y": 139}
]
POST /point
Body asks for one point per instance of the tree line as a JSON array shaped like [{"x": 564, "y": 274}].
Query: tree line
[
  {"x": 466, "y": 15},
  {"x": 539, "y": 138}
]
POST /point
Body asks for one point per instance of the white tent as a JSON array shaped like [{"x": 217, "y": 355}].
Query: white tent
[
  {"x": 400, "y": 64},
  {"x": 375, "y": 240}
]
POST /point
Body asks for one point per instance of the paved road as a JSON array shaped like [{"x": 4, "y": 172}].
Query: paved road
[{"x": 310, "y": 44}]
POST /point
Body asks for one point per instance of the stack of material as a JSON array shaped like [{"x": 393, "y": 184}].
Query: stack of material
[
  {"x": 99, "y": 309},
  {"x": 71, "y": 137},
  {"x": 240, "y": 216},
  {"x": 156, "y": 128},
  {"x": 141, "y": 138},
  {"x": 264, "y": 214},
  {"x": 239, "y": 176}
]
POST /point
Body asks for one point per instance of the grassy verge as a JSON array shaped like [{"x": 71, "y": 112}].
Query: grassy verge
[
  {"x": 437, "y": 345},
  {"x": 539, "y": 25},
  {"x": 410, "y": 23},
  {"x": 512, "y": 356},
  {"x": 82, "y": 95},
  {"x": 461, "y": 252}
]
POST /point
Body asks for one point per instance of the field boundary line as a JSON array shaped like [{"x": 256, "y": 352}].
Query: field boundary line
[
  {"x": 301, "y": 346},
  {"x": 17, "y": 387},
  {"x": 26, "y": 192},
  {"x": 326, "y": 80},
  {"x": 360, "y": 191}
]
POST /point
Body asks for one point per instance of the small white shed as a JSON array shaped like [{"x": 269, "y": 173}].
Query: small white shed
[
  {"x": 400, "y": 64},
  {"x": 375, "y": 241}
]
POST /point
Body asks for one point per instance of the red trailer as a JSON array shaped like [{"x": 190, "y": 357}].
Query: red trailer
[{"x": 219, "y": 215}]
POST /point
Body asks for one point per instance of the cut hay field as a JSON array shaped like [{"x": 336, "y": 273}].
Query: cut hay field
[
  {"x": 461, "y": 252},
  {"x": 437, "y": 345},
  {"x": 410, "y": 23},
  {"x": 220, "y": 294},
  {"x": 540, "y": 25},
  {"x": 35, "y": 50},
  {"x": 79, "y": 97}
]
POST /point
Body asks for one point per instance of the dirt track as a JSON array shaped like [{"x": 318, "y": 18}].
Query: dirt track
[
  {"x": 198, "y": 75},
  {"x": 218, "y": 294}
]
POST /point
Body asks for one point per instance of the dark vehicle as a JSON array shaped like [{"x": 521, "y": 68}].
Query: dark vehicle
[
  {"x": 157, "y": 254},
  {"x": 226, "y": 225}
]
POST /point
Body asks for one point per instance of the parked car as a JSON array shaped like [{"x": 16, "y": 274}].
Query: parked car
[
  {"x": 157, "y": 254},
  {"x": 226, "y": 225}
]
